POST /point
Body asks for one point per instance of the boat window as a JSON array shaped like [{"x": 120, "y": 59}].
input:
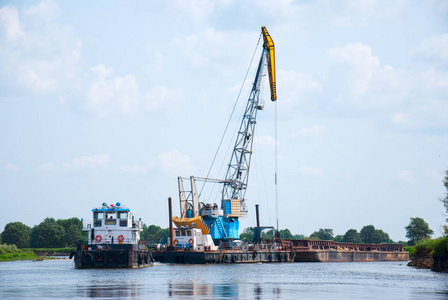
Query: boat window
[
  {"x": 97, "y": 219},
  {"x": 110, "y": 219},
  {"x": 177, "y": 233},
  {"x": 98, "y": 216},
  {"x": 123, "y": 217},
  {"x": 189, "y": 232},
  {"x": 183, "y": 232}
]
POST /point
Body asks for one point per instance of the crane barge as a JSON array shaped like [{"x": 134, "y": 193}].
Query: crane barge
[{"x": 209, "y": 233}]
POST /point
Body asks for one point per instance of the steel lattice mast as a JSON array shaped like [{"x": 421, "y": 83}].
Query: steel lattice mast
[{"x": 238, "y": 169}]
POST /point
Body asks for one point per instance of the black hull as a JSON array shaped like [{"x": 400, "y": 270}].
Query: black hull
[
  {"x": 222, "y": 257},
  {"x": 112, "y": 256}
]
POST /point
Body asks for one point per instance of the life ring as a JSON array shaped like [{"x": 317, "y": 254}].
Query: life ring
[
  {"x": 120, "y": 238},
  {"x": 176, "y": 242},
  {"x": 191, "y": 242},
  {"x": 98, "y": 238}
]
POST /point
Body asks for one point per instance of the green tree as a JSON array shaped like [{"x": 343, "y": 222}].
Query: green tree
[
  {"x": 286, "y": 234},
  {"x": 351, "y": 236},
  {"x": 381, "y": 237},
  {"x": 73, "y": 231},
  {"x": 73, "y": 236},
  {"x": 267, "y": 235},
  {"x": 370, "y": 235},
  {"x": 298, "y": 237},
  {"x": 338, "y": 238},
  {"x": 323, "y": 234},
  {"x": 418, "y": 230},
  {"x": 367, "y": 234},
  {"x": 16, "y": 233},
  {"x": 153, "y": 234},
  {"x": 48, "y": 234},
  {"x": 247, "y": 233}
]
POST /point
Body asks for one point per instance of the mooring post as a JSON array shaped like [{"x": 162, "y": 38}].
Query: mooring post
[{"x": 170, "y": 210}]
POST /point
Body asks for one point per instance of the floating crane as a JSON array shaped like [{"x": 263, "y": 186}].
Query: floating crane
[{"x": 223, "y": 223}]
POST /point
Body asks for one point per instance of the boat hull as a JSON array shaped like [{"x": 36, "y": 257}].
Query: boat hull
[
  {"x": 112, "y": 256},
  {"x": 222, "y": 257}
]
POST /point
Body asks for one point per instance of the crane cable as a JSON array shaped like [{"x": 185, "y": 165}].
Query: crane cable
[
  {"x": 231, "y": 115},
  {"x": 276, "y": 166}
]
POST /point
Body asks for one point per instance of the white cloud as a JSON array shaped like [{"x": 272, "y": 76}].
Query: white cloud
[
  {"x": 434, "y": 47},
  {"x": 136, "y": 168},
  {"x": 79, "y": 163},
  {"x": 122, "y": 94},
  {"x": 197, "y": 10},
  {"x": 12, "y": 167},
  {"x": 311, "y": 171},
  {"x": 315, "y": 132},
  {"x": 10, "y": 24},
  {"x": 348, "y": 177},
  {"x": 47, "y": 167},
  {"x": 400, "y": 118},
  {"x": 296, "y": 87},
  {"x": 38, "y": 54},
  {"x": 265, "y": 141},
  {"x": 433, "y": 174},
  {"x": 174, "y": 162},
  {"x": 89, "y": 162},
  {"x": 406, "y": 176}
]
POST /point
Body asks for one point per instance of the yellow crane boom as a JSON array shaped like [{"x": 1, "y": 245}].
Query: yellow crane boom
[{"x": 269, "y": 45}]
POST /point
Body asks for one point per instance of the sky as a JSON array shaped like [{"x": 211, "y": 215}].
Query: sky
[{"x": 111, "y": 101}]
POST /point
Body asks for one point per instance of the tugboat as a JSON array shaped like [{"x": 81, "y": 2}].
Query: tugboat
[{"x": 113, "y": 240}]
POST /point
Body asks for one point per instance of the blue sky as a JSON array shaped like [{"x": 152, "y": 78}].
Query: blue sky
[{"x": 111, "y": 101}]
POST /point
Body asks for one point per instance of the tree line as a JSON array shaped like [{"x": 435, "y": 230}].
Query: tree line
[
  {"x": 51, "y": 233},
  {"x": 417, "y": 230}
]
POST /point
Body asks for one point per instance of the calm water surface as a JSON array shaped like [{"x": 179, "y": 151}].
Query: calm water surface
[{"x": 375, "y": 280}]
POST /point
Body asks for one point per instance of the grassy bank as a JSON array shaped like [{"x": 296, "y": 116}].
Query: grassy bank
[
  {"x": 431, "y": 254},
  {"x": 410, "y": 249},
  {"x": 11, "y": 253},
  {"x": 50, "y": 251}
]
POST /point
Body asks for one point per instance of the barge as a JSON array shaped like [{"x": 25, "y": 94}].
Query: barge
[
  {"x": 208, "y": 233},
  {"x": 113, "y": 240}
]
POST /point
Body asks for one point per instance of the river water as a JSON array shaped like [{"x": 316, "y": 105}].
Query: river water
[{"x": 57, "y": 279}]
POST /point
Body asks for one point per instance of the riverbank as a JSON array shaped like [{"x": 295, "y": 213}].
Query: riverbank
[
  {"x": 12, "y": 253},
  {"x": 431, "y": 254}
]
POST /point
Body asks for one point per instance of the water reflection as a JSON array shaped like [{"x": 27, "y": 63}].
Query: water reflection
[
  {"x": 109, "y": 291},
  {"x": 59, "y": 280},
  {"x": 196, "y": 289},
  {"x": 219, "y": 291}
]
